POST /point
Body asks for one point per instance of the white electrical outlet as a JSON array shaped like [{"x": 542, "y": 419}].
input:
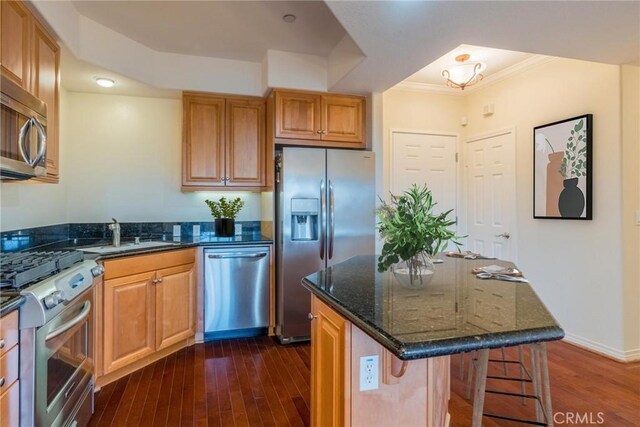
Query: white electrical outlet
[
  {"x": 369, "y": 367},
  {"x": 196, "y": 231},
  {"x": 238, "y": 229},
  {"x": 637, "y": 217},
  {"x": 176, "y": 231}
]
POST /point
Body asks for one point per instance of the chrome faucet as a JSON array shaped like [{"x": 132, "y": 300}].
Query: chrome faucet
[{"x": 115, "y": 227}]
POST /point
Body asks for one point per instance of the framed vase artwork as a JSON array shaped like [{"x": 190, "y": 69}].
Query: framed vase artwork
[{"x": 562, "y": 169}]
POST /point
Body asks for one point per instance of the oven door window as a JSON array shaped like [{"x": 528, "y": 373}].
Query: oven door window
[{"x": 67, "y": 348}]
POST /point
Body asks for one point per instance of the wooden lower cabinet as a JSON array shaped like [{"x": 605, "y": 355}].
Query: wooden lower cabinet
[
  {"x": 175, "y": 305},
  {"x": 330, "y": 334},
  {"x": 9, "y": 367},
  {"x": 148, "y": 308},
  {"x": 10, "y": 406},
  {"x": 129, "y": 320},
  {"x": 413, "y": 393}
]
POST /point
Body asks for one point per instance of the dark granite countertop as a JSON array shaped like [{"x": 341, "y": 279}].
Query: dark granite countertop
[
  {"x": 173, "y": 244},
  {"x": 10, "y": 302},
  {"x": 455, "y": 312}
]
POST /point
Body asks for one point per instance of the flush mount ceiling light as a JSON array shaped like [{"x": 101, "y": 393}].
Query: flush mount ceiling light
[
  {"x": 289, "y": 18},
  {"x": 465, "y": 73},
  {"x": 105, "y": 82}
]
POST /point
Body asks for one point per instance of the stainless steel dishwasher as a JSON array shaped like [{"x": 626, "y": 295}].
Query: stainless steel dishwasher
[{"x": 236, "y": 292}]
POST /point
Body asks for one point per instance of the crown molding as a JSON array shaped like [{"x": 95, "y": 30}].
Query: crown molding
[{"x": 520, "y": 67}]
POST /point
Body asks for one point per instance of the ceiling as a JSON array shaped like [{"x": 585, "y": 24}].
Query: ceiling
[
  {"x": 367, "y": 46},
  {"x": 497, "y": 60},
  {"x": 240, "y": 30},
  {"x": 402, "y": 37},
  {"x": 79, "y": 76}
]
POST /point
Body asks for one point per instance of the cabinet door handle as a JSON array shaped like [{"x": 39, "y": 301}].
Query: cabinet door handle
[
  {"x": 324, "y": 132},
  {"x": 1, "y": 343},
  {"x": 311, "y": 316},
  {"x": 319, "y": 131},
  {"x": 2, "y": 381}
]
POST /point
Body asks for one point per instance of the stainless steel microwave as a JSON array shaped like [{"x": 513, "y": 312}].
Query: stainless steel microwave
[{"x": 23, "y": 129}]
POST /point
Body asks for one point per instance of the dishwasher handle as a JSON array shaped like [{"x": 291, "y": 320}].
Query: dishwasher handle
[{"x": 238, "y": 255}]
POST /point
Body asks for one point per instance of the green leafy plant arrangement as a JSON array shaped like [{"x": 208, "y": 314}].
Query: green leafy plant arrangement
[
  {"x": 574, "y": 162},
  {"x": 224, "y": 208},
  {"x": 409, "y": 227}
]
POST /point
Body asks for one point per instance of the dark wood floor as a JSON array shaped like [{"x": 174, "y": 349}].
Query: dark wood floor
[{"x": 255, "y": 381}]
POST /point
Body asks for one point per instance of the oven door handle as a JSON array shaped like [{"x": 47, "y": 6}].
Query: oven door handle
[{"x": 71, "y": 323}]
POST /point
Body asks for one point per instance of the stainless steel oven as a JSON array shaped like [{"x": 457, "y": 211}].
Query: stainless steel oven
[
  {"x": 56, "y": 346},
  {"x": 63, "y": 363}
]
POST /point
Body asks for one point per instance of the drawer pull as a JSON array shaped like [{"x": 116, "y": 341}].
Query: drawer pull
[
  {"x": 2, "y": 381},
  {"x": 497, "y": 295},
  {"x": 69, "y": 390},
  {"x": 1, "y": 343}
]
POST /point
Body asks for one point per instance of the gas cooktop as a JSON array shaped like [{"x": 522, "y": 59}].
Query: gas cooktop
[{"x": 18, "y": 270}]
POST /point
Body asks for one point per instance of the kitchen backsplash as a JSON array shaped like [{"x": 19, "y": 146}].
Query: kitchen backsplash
[{"x": 17, "y": 240}]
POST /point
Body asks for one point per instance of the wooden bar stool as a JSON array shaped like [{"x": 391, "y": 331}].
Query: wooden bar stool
[{"x": 538, "y": 377}]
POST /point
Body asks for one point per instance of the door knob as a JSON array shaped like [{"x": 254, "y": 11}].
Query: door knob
[
  {"x": 505, "y": 235},
  {"x": 311, "y": 316}
]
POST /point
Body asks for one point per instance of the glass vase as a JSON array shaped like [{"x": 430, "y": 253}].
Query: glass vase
[{"x": 415, "y": 272}]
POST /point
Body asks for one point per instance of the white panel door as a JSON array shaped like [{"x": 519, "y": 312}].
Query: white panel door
[
  {"x": 490, "y": 195},
  {"x": 423, "y": 158}
]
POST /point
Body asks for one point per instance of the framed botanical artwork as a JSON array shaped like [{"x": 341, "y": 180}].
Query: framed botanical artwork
[{"x": 562, "y": 169}]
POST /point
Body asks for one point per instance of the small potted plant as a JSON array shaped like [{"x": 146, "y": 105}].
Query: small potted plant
[
  {"x": 225, "y": 211},
  {"x": 413, "y": 233}
]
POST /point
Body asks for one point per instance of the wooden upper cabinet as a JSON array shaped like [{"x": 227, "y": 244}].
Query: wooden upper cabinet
[
  {"x": 203, "y": 146},
  {"x": 329, "y": 334},
  {"x": 298, "y": 115},
  {"x": 342, "y": 118},
  {"x": 15, "y": 46},
  {"x": 224, "y": 143},
  {"x": 46, "y": 84},
  {"x": 245, "y": 143},
  {"x": 30, "y": 56},
  {"x": 175, "y": 289},
  {"x": 315, "y": 119}
]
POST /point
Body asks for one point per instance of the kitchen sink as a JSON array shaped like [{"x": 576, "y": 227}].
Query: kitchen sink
[{"x": 124, "y": 247}]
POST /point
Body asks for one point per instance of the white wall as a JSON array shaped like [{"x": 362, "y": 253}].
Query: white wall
[
  {"x": 630, "y": 205},
  {"x": 30, "y": 205},
  {"x": 120, "y": 157},
  {"x": 575, "y": 266},
  {"x": 410, "y": 110},
  {"x": 124, "y": 158}
]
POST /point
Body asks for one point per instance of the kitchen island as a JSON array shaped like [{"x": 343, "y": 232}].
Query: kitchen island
[{"x": 403, "y": 336}]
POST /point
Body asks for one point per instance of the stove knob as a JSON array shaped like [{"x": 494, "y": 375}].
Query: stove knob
[
  {"x": 98, "y": 270},
  {"x": 53, "y": 299}
]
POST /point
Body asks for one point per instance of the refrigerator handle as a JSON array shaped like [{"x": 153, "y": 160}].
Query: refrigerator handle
[
  {"x": 331, "y": 219},
  {"x": 323, "y": 225}
]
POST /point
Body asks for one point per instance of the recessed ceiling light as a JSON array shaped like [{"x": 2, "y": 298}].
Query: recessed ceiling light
[
  {"x": 105, "y": 82},
  {"x": 289, "y": 18}
]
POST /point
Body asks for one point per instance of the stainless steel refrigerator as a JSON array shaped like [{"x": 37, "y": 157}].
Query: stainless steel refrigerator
[{"x": 325, "y": 214}]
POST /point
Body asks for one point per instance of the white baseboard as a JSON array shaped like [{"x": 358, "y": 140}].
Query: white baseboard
[{"x": 605, "y": 350}]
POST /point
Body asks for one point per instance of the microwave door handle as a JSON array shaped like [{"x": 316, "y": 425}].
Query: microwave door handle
[
  {"x": 71, "y": 323},
  {"x": 24, "y": 135},
  {"x": 42, "y": 141}
]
